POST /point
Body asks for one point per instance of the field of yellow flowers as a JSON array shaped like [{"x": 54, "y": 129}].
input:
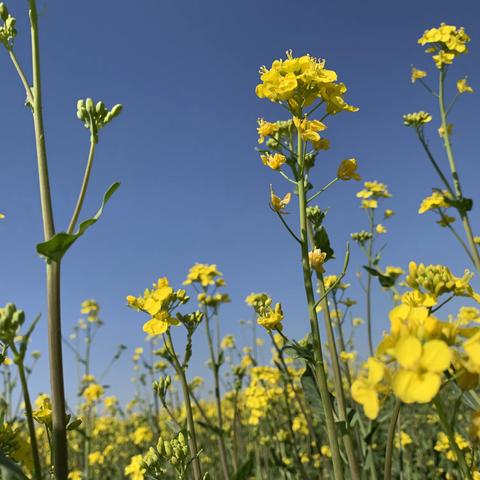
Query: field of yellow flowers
[{"x": 407, "y": 408}]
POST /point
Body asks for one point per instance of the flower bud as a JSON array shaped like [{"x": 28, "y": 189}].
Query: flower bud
[
  {"x": 3, "y": 11},
  {"x": 90, "y": 105},
  {"x": 115, "y": 111}
]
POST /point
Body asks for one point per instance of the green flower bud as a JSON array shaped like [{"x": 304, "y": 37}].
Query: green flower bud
[
  {"x": 18, "y": 318},
  {"x": 100, "y": 108},
  {"x": 181, "y": 439},
  {"x": 116, "y": 110},
  {"x": 90, "y": 105},
  {"x": 3, "y": 11},
  {"x": 168, "y": 449}
]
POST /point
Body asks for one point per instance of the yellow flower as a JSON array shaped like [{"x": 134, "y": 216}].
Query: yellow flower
[
  {"x": 463, "y": 87},
  {"x": 272, "y": 318},
  {"x": 96, "y": 458},
  {"x": 317, "y": 258},
  {"x": 158, "y": 303},
  {"x": 365, "y": 389},
  {"x": 369, "y": 204},
  {"x": 228, "y": 342},
  {"x": 93, "y": 392},
  {"x": 265, "y": 129},
  {"x": 142, "y": 435},
  {"x": 472, "y": 349},
  {"x": 296, "y": 80},
  {"x": 447, "y": 42},
  {"x": 134, "y": 469},
  {"x": 308, "y": 128},
  {"x": 388, "y": 213},
  {"x": 380, "y": 228},
  {"x": 419, "y": 377},
  {"x": 416, "y": 119},
  {"x": 202, "y": 273},
  {"x": 279, "y": 204},
  {"x": 348, "y": 356},
  {"x": 325, "y": 451},
  {"x": 75, "y": 475},
  {"x": 402, "y": 440},
  {"x": 275, "y": 161},
  {"x": 348, "y": 170},
  {"x": 417, "y": 74},
  {"x": 441, "y": 130}
]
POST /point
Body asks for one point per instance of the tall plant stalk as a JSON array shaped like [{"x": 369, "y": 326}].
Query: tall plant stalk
[
  {"x": 319, "y": 367},
  {"x": 453, "y": 169},
  {"x": 59, "y": 433}
]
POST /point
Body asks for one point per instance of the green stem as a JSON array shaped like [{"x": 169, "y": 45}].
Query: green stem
[
  {"x": 83, "y": 189},
  {"x": 387, "y": 473},
  {"x": 453, "y": 170},
  {"x": 53, "y": 268},
  {"x": 192, "y": 437},
  {"x": 21, "y": 74},
  {"x": 328, "y": 185},
  {"x": 451, "y": 439},
  {"x": 338, "y": 383},
  {"x": 320, "y": 373},
  {"x": 369, "y": 285},
  {"x": 28, "y": 413},
  {"x": 218, "y": 400}
]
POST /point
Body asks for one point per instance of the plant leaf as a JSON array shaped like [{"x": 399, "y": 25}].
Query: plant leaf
[{"x": 55, "y": 248}]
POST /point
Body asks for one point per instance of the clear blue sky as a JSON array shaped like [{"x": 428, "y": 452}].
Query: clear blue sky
[{"x": 193, "y": 188}]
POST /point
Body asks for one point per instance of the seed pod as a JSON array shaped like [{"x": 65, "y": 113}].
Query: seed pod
[{"x": 3, "y": 11}]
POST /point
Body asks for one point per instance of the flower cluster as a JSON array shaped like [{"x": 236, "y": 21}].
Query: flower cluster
[
  {"x": 159, "y": 302},
  {"x": 372, "y": 192},
  {"x": 299, "y": 81},
  {"x": 268, "y": 317},
  {"x": 446, "y": 42},
  {"x": 416, "y": 119}
]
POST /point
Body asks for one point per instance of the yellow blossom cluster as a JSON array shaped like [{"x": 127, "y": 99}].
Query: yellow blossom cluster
[
  {"x": 299, "y": 81},
  {"x": 372, "y": 192},
  {"x": 158, "y": 302},
  {"x": 264, "y": 389},
  {"x": 446, "y": 42}
]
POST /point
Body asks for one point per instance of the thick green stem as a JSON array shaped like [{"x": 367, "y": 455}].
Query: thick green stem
[
  {"x": 59, "y": 423},
  {"x": 453, "y": 170},
  {"x": 387, "y": 472},
  {"x": 192, "y": 437},
  {"x": 53, "y": 268},
  {"x": 320, "y": 372},
  {"x": 83, "y": 189},
  {"x": 28, "y": 413}
]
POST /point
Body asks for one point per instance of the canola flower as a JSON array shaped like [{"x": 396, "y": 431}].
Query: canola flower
[{"x": 159, "y": 303}]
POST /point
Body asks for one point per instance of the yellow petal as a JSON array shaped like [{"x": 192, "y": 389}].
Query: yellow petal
[
  {"x": 155, "y": 327},
  {"x": 425, "y": 386},
  {"x": 408, "y": 351},
  {"x": 376, "y": 371},
  {"x": 436, "y": 356},
  {"x": 402, "y": 385}
]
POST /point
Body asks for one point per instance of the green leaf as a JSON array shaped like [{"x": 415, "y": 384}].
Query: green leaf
[
  {"x": 312, "y": 395},
  {"x": 245, "y": 471},
  {"x": 385, "y": 280},
  {"x": 322, "y": 242},
  {"x": 55, "y": 248},
  {"x": 12, "y": 467}
]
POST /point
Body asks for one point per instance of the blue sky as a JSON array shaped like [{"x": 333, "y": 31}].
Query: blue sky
[{"x": 193, "y": 188}]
